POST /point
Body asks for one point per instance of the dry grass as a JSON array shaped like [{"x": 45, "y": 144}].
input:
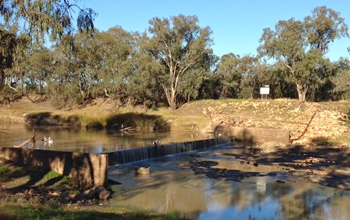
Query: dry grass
[{"x": 189, "y": 115}]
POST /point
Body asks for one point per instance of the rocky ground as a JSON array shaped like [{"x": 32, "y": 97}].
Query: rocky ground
[
  {"x": 327, "y": 166},
  {"x": 307, "y": 122}
]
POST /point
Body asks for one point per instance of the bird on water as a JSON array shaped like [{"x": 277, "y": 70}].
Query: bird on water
[
  {"x": 156, "y": 143},
  {"x": 47, "y": 140}
]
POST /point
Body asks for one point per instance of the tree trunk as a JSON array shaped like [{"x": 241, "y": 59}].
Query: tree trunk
[
  {"x": 302, "y": 90},
  {"x": 172, "y": 100},
  {"x": 171, "y": 96},
  {"x": 2, "y": 79}
]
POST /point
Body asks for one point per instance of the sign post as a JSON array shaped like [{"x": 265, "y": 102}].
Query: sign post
[{"x": 265, "y": 91}]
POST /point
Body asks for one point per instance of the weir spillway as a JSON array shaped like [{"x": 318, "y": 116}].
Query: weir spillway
[
  {"x": 146, "y": 153},
  {"x": 91, "y": 169}
]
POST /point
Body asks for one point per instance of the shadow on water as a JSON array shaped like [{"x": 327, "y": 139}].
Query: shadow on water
[
  {"x": 47, "y": 118},
  {"x": 140, "y": 122}
]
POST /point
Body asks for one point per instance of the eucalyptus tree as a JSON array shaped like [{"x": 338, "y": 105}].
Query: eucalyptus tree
[
  {"x": 88, "y": 60},
  {"x": 117, "y": 48},
  {"x": 62, "y": 85},
  {"x": 7, "y": 48},
  {"x": 190, "y": 85},
  {"x": 143, "y": 87},
  {"x": 341, "y": 79},
  {"x": 237, "y": 75},
  {"x": 301, "y": 45},
  {"x": 40, "y": 67},
  {"x": 29, "y": 21},
  {"x": 53, "y": 17},
  {"x": 177, "y": 45},
  {"x": 230, "y": 78}
]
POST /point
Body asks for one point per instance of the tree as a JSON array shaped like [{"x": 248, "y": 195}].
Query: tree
[
  {"x": 301, "y": 45},
  {"x": 341, "y": 80},
  {"x": 229, "y": 77},
  {"x": 53, "y": 17},
  {"x": 116, "y": 50},
  {"x": 40, "y": 67},
  {"x": 177, "y": 44},
  {"x": 237, "y": 75},
  {"x": 27, "y": 22},
  {"x": 323, "y": 27}
]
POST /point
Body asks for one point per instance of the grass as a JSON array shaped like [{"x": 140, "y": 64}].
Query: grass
[
  {"x": 19, "y": 210},
  {"x": 4, "y": 170},
  {"x": 18, "y": 207}
]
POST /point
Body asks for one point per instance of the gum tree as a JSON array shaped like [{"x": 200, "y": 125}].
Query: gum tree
[
  {"x": 177, "y": 45},
  {"x": 301, "y": 45},
  {"x": 26, "y": 23}
]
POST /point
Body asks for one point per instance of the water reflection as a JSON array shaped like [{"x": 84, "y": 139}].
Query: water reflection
[
  {"x": 78, "y": 140},
  {"x": 173, "y": 186}
]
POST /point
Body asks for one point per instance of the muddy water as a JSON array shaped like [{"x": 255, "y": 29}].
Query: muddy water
[
  {"x": 214, "y": 185},
  {"x": 68, "y": 139}
]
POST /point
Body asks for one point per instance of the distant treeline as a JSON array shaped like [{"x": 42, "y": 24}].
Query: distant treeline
[{"x": 173, "y": 63}]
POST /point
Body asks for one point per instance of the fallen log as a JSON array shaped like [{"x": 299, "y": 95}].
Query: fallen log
[
  {"x": 30, "y": 140},
  {"x": 130, "y": 128}
]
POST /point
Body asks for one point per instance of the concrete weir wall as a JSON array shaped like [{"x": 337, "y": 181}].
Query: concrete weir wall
[
  {"x": 145, "y": 153},
  {"x": 92, "y": 169},
  {"x": 89, "y": 169}
]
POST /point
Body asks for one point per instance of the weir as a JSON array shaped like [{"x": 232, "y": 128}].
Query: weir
[
  {"x": 145, "y": 153},
  {"x": 92, "y": 169}
]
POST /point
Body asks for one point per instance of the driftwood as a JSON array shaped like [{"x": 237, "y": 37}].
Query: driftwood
[
  {"x": 302, "y": 134},
  {"x": 130, "y": 128},
  {"x": 30, "y": 140},
  {"x": 37, "y": 100}
]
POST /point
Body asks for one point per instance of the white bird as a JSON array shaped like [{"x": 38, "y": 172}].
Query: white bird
[
  {"x": 156, "y": 143},
  {"x": 48, "y": 140}
]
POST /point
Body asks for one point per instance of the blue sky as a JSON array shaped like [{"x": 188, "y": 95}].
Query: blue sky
[{"x": 237, "y": 25}]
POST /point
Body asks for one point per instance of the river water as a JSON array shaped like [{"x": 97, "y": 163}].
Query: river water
[
  {"x": 232, "y": 189},
  {"x": 95, "y": 141}
]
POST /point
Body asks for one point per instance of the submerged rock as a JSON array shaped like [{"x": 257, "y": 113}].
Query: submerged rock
[{"x": 143, "y": 170}]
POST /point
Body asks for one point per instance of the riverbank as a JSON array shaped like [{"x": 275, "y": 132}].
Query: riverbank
[
  {"x": 318, "y": 154},
  {"x": 308, "y": 123},
  {"x": 33, "y": 193},
  {"x": 328, "y": 166}
]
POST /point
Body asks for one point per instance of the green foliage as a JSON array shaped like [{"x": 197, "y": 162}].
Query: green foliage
[
  {"x": 341, "y": 79},
  {"x": 171, "y": 64},
  {"x": 51, "y": 175},
  {"x": 177, "y": 45},
  {"x": 51, "y": 16},
  {"x": 301, "y": 45},
  {"x": 236, "y": 73},
  {"x": 4, "y": 169},
  {"x": 53, "y": 211},
  {"x": 246, "y": 93},
  {"x": 141, "y": 122}
]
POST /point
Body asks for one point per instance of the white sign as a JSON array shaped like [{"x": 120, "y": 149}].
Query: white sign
[{"x": 264, "y": 91}]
